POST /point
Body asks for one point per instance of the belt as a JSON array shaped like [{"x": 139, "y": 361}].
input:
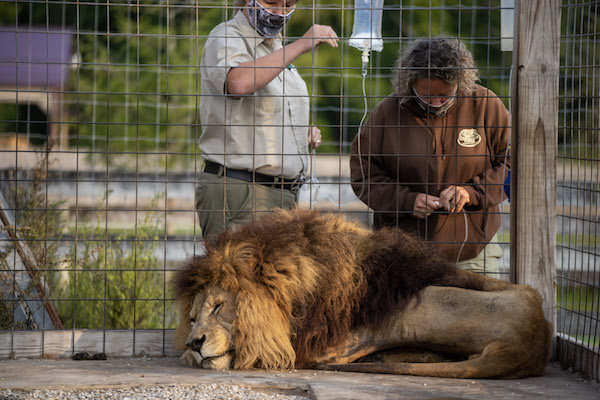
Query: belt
[{"x": 255, "y": 177}]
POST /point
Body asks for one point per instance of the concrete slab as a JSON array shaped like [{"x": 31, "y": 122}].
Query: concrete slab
[{"x": 319, "y": 385}]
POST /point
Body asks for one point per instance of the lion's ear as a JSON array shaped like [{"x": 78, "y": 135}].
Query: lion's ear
[{"x": 262, "y": 334}]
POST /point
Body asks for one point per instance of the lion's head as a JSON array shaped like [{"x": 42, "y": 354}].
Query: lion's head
[
  {"x": 235, "y": 310},
  {"x": 211, "y": 316}
]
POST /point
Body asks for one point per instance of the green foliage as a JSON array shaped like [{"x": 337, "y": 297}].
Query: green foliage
[
  {"x": 579, "y": 298},
  {"x": 103, "y": 282},
  {"x": 137, "y": 87},
  {"x": 578, "y": 118},
  {"x": 581, "y": 303},
  {"x": 39, "y": 225},
  {"x": 38, "y": 221},
  {"x": 334, "y": 74},
  {"x": 114, "y": 283}
]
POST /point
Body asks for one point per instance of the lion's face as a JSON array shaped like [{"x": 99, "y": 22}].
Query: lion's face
[{"x": 210, "y": 343}]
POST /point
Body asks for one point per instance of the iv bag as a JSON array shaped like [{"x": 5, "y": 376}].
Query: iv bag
[{"x": 366, "y": 32}]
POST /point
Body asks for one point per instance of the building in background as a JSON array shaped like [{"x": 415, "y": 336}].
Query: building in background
[{"x": 34, "y": 66}]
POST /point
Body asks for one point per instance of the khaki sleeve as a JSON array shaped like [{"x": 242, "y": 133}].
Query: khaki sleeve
[{"x": 222, "y": 53}]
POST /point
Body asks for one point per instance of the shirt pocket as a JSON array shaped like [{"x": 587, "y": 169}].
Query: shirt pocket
[{"x": 271, "y": 97}]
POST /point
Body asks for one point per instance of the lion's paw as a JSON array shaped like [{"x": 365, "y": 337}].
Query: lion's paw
[
  {"x": 190, "y": 358},
  {"x": 219, "y": 363}
]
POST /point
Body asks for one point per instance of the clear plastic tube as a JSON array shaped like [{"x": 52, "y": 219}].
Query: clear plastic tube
[{"x": 366, "y": 31}]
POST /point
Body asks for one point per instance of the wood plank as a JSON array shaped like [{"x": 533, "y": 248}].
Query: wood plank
[
  {"x": 6, "y": 348},
  {"x": 91, "y": 341},
  {"x": 119, "y": 343},
  {"x": 58, "y": 344},
  {"x": 149, "y": 343},
  {"x": 115, "y": 343},
  {"x": 534, "y": 147},
  {"x": 27, "y": 344},
  {"x": 170, "y": 350}
]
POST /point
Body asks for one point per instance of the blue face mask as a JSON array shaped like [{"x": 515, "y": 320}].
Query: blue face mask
[{"x": 264, "y": 21}]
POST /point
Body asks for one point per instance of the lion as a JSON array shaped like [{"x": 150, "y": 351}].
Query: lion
[{"x": 303, "y": 289}]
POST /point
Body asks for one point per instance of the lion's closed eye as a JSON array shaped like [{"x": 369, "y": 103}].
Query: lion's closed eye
[{"x": 217, "y": 308}]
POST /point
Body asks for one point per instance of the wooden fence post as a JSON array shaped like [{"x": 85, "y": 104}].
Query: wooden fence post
[{"x": 534, "y": 147}]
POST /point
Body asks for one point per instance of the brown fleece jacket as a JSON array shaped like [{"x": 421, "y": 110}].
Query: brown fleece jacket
[{"x": 406, "y": 151}]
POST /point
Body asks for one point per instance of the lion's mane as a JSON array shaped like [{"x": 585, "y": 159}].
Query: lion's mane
[{"x": 303, "y": 280}]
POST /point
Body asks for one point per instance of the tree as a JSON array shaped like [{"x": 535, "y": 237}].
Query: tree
[{"x": 137, "y": 86}]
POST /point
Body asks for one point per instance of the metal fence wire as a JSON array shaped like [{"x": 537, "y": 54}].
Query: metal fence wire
[
  {"x": 578, "y": 261},
  {"x": 101, "y": 114}
]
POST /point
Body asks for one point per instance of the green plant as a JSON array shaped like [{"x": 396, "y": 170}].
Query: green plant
[
  {"x": 580, "y": 303},
  {"x": 104, "y": 281},
  {"x": 38, "y": 224},
  {"x": 114, "y": 282}
]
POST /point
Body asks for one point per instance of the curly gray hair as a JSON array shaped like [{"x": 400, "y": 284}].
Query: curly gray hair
[{"x": 441, "y": 57}]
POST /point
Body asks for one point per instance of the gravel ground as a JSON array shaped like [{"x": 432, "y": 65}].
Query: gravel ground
[{"x": 197, "y": 392}]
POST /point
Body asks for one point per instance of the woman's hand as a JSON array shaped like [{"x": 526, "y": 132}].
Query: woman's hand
[
  {"x": 425, "y": 204},
  {"x": 314, "y": 137},
  {"x": 316, "y": 35},
  {"x": 454, "y": 198}
]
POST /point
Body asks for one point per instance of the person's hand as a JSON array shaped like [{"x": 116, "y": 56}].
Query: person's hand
[
  {"x": 314, "y": 137},
  {"x": 425, "y": 204},
  {"x": 316, "y": 35},
  {"x": 454, "y": 198}
]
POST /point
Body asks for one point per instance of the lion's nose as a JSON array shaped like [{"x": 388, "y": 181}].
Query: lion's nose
[{"x": 196, "y": 344}]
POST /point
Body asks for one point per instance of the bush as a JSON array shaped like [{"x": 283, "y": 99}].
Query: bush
[
  {"x": 39, "y": 225},
  {"x": 103, "y": 281},
  {"x": 113, "y": 283}
]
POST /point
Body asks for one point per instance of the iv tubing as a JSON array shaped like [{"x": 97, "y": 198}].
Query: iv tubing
[{"x": 313, "y": 174}]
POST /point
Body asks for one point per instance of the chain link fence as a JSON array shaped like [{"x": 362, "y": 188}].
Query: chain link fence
[{"x": 578, "y": 246}]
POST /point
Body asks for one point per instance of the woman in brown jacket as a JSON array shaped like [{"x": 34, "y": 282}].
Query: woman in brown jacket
[{"x": 432, "y": 156}]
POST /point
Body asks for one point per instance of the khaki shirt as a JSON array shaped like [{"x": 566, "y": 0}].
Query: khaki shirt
[{"x": 266, "y": 131}]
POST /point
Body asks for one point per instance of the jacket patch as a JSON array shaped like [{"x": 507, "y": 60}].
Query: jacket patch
[{"x": 469, "y": 138}]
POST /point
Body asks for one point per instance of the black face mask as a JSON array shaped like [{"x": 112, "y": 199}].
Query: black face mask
[{"x": 264, "y": 21}]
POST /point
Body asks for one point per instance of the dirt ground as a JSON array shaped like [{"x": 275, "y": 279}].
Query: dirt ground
[{"x": 318, "y": 385}]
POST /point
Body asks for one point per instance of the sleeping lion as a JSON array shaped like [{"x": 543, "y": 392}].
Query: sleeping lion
[{"x": 302, "y": 289}]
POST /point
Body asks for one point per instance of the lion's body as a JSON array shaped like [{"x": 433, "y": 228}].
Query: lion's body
[{"x": 303, "y": 289}]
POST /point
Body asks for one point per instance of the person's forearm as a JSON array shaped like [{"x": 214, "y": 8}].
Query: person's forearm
[{"x": 253, "y": 75}]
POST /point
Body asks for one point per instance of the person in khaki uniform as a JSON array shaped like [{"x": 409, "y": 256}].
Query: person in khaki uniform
[
  {"x": 432, "y": 157},
  {"x": 254, "y": 112}
]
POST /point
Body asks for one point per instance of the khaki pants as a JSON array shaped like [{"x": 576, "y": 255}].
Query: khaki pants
[
  {"x": 223, "y": 202},
  {"x": 486, "y": 262}
]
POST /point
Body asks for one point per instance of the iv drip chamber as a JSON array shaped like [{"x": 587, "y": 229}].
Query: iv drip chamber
[{"x": 366, "y": 31}]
